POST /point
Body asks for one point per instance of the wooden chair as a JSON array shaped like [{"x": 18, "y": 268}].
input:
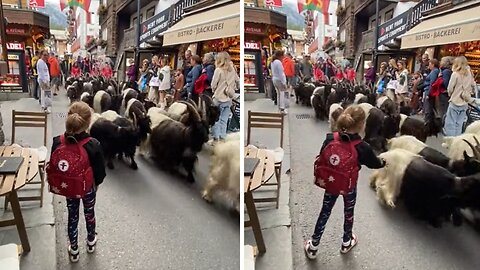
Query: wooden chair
[
  {"x": 33, "y": 120},
  {"x": 270, "y": 121}
]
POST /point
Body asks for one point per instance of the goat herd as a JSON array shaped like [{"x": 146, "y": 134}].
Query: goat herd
[
  {"x": 171, "y": 136},
  {"x": 434, "y": 187}
]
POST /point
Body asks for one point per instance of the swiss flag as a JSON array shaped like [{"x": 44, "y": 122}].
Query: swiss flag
[
  {"x": 274, "y": 3},
  {"x": 36, "y": 3}
]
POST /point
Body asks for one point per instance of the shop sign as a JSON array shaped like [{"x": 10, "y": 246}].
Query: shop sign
[
  {"x": 249, "y": 57},
  {"x": 253, "y": 30},
  {"x": 155, "y": 25},
  {"x": 36, "y": 3},
  {"x": 274, "y": 3},
  {"x": 13, "y": 57},
  {"x": 15, "y": 31},
  {"x": 15, "y": 46},
  {"x": 393, "y": 28},
  {"x": 253, "y": 45}
]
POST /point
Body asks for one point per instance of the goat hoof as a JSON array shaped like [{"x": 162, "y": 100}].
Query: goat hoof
[
  {"x": 134, "y": 166},
  {"x": 207, "y": 197}
]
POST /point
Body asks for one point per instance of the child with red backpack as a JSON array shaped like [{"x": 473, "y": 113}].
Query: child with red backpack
[
  {"x": 336, "y": 170},
  {"x": 75, "y": 170}
]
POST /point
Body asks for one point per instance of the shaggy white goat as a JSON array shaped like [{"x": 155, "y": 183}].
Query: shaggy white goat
[
  {"x": 225, "y": 171},
  {"x": 335, "y": 110},
  {"x": 97, "y": 101},
  {"x": 406, "y": 142}
]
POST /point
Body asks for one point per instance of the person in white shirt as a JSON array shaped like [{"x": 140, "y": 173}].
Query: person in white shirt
[
  {"x": 165, "y": 84},
  {"x": 280, "y": 80},
  {"x": 44, "y": 82},
  {"x": 154, "y": 82}
]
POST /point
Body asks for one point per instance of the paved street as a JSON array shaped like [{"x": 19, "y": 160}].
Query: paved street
[
  {"x": 388, "y": 239},
  {"x": 147, "y": 219}
]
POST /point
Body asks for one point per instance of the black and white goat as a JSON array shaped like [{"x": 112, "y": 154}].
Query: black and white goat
[
  {"x": 117, "y": 135},
  {"x": 379, "y": 127},
  {"x": 174, "y": 144},
  {"x": 319, "y": 101},
  {"x": 303, "y": 92},
  {"x": 429, "y": 192}
]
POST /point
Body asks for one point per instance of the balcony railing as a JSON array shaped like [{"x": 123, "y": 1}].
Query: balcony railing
[
  {"x": 367, "y": 40},
  {"x": 129, "y": 37},
  {"x": 418, "y": 9},
  {"x": 178, "y": 10}
]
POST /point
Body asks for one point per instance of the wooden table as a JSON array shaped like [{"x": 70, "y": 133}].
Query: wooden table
[
  {"x": 263, "y": 172},
  {"x": 10, "y": 183}
]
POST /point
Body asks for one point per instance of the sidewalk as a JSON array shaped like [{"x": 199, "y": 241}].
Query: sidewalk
[
  {"x": 275, "y": 223},
  {"x": 39, "y": 221}
]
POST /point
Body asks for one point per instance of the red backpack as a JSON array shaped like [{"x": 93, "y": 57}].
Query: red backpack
[
  {"x": 336, "y": 167},
  {"x": 200, "y": 84},
  {"x": 69, "y": 172},
  {"x": 437, "y": 87}
]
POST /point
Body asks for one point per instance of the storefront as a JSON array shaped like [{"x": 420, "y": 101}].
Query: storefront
[
  {"x": 450, "y": 34},
  {"x": 264, "y": 29},
  {"x": 220, "y": 33},
  {"x": 26, "y": 31}
]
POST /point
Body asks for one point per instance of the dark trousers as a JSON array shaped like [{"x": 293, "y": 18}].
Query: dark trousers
[
  {"x": 36, "y": 94},
  {"x": 73, "y": 206},
  {"x": 329, "y": 200}
]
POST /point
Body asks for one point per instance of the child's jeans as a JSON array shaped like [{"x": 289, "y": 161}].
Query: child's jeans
[
  {"x": 329, "y": 200},
  {"x": 73, "y": 206}
]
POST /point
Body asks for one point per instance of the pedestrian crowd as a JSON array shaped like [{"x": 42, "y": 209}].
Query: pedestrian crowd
[
  {"x": 212, "y": 75},
  {"x": 50, "y": 72},
  {"x": 438, "y": 89}
]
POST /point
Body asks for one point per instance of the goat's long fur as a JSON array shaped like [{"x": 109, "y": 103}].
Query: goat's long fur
[
  {"x": 456, "y": 145},
  {"x": 334, "y": 112},
  {"x": 473, "y": 128},
  {"x": 388, "y": 180},
  {"x": 406, "y": 142},
  {"x": 225, "y": 172}
]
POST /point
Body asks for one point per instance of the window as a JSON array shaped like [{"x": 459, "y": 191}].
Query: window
[
  {"x": 150, "y": 12},
  {"x": 372, "y": 24},
  {"x": 389, "y": 15}
]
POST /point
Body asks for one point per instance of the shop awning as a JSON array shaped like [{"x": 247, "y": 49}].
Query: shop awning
[
  {"x": 456, "y": 27},
  {"x": 220, "y": 22}
]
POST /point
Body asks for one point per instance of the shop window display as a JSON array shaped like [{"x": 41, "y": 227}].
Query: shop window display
[
  {"x": 230, "y": 45},
  {"x": 471, "y": 50}
]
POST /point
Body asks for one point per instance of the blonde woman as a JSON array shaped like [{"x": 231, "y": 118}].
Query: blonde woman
[
  {"x": 402, "y": 87},
  {"x": 154, "y": 82},
  {"x": 165, "y": 84},
  {"x": 460, "y": 90},
  {"x": 224, "y": 84}
]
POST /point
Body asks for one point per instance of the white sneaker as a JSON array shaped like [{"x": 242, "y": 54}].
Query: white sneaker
[{"x": 91, "y": 245}]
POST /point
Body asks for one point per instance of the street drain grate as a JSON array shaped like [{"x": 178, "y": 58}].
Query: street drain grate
[
  {"x": 61, "y": 114},
  {"x": 303, "y": 116}
]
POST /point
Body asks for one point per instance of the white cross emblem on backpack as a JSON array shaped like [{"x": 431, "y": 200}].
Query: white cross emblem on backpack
[
  {"x": 334, "y": 160},
  {"x": 63, "y": 165}
]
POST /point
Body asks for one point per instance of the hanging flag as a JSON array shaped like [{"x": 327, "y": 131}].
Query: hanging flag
[
  {"x": 274, "y": 3},
  {"x": 318, "y": 5},
  {"x": 36, "y": 3},
  {"x": 83, "y": 4}
]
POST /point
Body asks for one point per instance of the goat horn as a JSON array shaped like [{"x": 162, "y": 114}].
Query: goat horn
[
  {"x": 476, "y": 154},
  {"x": 478, "y": 143}
]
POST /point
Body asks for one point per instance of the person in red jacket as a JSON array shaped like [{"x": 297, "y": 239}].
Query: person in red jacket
[
  {"x": 289, "y": 69},
  {"x": 318, "y": 73},
  {"x": 350, "y": 73},
  {"x": 75, "y": 70},
  {"x": 107, "y": 71},
  {"x": 339, "y": 75}
]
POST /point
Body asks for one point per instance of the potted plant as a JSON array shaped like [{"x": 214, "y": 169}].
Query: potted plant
[
  {"x": 102, "y": 10},
  {"x": 340, "y": 10}
]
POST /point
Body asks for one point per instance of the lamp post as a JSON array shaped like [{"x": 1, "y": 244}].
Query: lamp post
[
  {"x": 375, "y": 37},
  {"x": 137, "y": 47},
  {"x": 3, "y": 34}
]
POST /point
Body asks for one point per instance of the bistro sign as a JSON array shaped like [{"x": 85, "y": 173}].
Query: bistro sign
[
  {"x": 155, "y": 25},
  {"x": 202, "y": 29},
  {"x": 393, "y": 28}
]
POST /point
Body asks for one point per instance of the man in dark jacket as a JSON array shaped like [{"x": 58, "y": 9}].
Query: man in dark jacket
[{"x": 429, "y": 102}]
